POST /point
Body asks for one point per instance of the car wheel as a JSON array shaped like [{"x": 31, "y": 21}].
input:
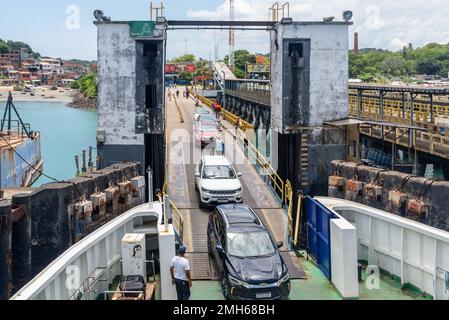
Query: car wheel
[{"x": 225, "y": 286}]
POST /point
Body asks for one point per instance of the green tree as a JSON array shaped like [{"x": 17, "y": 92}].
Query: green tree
[
  {"x": 4, "y": 48},
  {"x": 428, "y": 66},
  {"x": 241, "y": 58},
  {"x": 184, "y": 58},
  {"x": 87, "y": 85},
  {"x": 187, "y": 76},
  {"x": 393, "y": 66}
]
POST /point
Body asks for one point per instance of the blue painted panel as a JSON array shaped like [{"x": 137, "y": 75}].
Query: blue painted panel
[
  {"x": 318, "y": 234},
  {"x": 13, "y": 168}
]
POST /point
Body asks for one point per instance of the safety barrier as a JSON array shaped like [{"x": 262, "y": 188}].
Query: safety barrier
[
  {"x": 288, "y": 193},
  {"x": 176, "y": 214},
  {"x": 415, "y": 253},
  {"x": 262, "y": 164},
  {"x": 232, "y": 118},
  {"x": 434, "y": 137},
  {"x": 177, "y": 220},
  {"x": 251, "y": 151}
]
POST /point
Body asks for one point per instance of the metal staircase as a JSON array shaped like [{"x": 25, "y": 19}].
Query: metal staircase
[{"x": 304, "y": 161}]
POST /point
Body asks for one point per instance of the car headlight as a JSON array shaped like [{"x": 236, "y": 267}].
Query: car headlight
[
  {"x": 204, "y": 190},
  {"x": 236, "y": 282},
  {"x": 238, "y": 190},
  {"x": 285, "y": 278}
]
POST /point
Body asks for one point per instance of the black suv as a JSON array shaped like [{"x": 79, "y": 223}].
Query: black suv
[{"x": 248, "y": 259}]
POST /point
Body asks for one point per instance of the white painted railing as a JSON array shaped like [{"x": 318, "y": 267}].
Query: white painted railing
[
  {"x": 418, "y": 254},
  {"x": 93, "y": 262}
]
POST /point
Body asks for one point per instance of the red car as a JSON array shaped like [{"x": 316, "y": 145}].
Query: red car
[{"x": 206, "y": 132}]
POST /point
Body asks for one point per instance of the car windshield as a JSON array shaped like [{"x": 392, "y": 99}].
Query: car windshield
[
  {"x": 218, "y": 172},
  {"x": 207, "y": 117},
  {"x": 250, "y": 244},
  {"x": 208, "y": 128}
]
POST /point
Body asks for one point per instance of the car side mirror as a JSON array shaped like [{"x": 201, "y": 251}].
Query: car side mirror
[
  {"x": 280, "y": 244},
  {"x": 219, "y": 249},
  {"x": 239, "y": 174},
  {"x": 197, "y": 174}
]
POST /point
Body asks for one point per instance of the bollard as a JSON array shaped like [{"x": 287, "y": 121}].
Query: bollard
[
  {"x": 77, "y": 166},
  {"x": 83, "y": 169},
  {"x": 90, "y": 163}
]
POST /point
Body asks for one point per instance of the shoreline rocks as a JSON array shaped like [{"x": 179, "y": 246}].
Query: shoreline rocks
[{"x": 81, "y": 102}]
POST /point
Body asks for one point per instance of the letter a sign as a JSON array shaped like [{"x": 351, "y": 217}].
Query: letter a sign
[{"x": 141, "y": 29}]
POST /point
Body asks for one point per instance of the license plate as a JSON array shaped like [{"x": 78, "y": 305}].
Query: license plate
[
  {"x": 222, "y": 201},
  {"x": 263, "y": 295}
]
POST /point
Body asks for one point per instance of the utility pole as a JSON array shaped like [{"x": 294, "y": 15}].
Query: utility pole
[{"x": 231, "y": 36}]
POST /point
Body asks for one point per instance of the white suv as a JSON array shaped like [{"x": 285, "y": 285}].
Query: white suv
[{"x": 217, "y": 181}]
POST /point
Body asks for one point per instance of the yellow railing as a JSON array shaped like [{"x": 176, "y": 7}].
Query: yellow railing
[
  {"x": 289, "y": 203},
  {"x": 433, "y": 139},
  {"x": 177, "y": 217},
  {"x": 395, "y": 112},
  {"x": 275, "y": 181},
  {"x": 232, "y": 118},
  {"x": 176, "y": 214}
]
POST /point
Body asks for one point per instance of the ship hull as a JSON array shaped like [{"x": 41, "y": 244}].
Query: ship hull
[{"x": 15, "y": 172}]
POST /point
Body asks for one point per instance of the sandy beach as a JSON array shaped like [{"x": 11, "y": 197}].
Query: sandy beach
[{"x": 41, "y": 94}]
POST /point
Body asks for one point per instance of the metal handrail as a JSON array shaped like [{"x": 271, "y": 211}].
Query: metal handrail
[
  {"x": 165, "y": 189},
  {"x": 289, "y": 204},
  {"x": 278, "y": 183},
  {"x": 232, "y": 118},
  {"x": 180, "y": 219}
]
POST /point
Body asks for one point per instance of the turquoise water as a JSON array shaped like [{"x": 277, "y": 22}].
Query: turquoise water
[{"x": 65, "y": 132}]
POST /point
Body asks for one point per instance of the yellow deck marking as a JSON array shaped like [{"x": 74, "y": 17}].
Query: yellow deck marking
[{"x": 188, "y": 238}]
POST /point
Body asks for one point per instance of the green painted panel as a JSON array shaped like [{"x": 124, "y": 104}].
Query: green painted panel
[{"x": 141, "y": 29}]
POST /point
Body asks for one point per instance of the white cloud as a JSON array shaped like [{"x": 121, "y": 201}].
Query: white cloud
[
  {"x": 397, "y": 43},
  {"x": 383, "y": 23}
]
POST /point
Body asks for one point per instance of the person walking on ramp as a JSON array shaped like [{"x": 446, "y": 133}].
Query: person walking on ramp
[{"x": 180, "y": 274}]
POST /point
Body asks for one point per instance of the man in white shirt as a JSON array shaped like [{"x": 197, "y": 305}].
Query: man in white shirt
[
  {"x": 180, "y": 274},
  {"x": 219, "y": 146}
]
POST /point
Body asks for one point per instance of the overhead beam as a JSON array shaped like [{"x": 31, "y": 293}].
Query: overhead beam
[{"x": 200, "y": 23}]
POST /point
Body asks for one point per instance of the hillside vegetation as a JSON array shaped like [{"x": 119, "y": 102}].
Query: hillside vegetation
[{"x": 376, "y": 64}]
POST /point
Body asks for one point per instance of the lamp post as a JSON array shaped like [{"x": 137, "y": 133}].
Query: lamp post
[{"x": 224, "y": 87}]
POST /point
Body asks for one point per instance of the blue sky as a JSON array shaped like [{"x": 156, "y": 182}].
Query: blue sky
[
  {"x": 41, "y": 23},
  {"x": 381, "y": 23}
]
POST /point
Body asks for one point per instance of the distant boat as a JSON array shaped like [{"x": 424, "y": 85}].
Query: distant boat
[{"x": 20, "y": 150}]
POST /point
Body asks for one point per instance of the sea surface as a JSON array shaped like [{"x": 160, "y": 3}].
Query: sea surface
[{"x": 65, "y": 132}]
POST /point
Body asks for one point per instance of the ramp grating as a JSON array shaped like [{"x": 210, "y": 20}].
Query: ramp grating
[
  {"x": 202, "y": 268},
  {"x": 294, "y": 269}
]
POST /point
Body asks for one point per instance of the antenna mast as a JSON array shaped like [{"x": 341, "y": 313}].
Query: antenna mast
[{"x": 231, "y": 36}]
